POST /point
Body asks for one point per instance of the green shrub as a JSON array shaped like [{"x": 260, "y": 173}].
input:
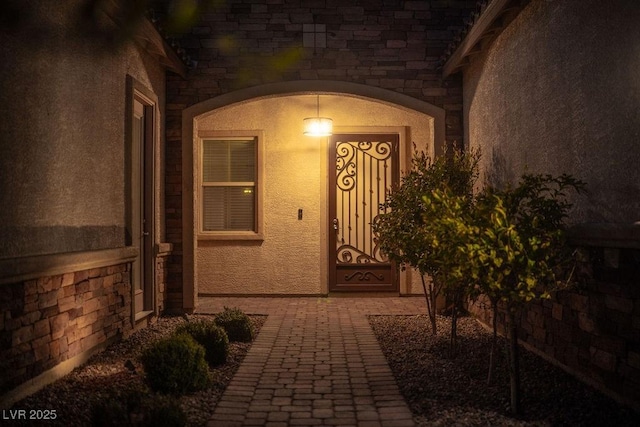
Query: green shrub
[
  {"x": 162, "y": 412},
  {"x": 210, "y": 336},
  {"x": 138, "y": 410},
  {"x": 176, "y": 365},
  {"x": 236, "y": 323}
]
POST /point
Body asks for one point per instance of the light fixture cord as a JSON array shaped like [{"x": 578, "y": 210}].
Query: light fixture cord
[{"x": 318, "y": 106}]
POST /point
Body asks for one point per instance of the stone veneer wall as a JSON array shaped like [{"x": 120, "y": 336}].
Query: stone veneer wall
[
  {"x": 390, "y": 45},
  {"x": 594, "y": 332},
  {"x": 161, "y": 281},
  {"x": 52, "y": 319}
]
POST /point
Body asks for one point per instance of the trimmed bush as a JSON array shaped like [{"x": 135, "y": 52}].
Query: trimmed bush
[
  {"x": 176, "y": 365},
  {"x": 210, "y": 336},
  {"x": 236, "y": 324},
  {"x": 138, "y": 410},
  {"x": 162, "y": 412}
]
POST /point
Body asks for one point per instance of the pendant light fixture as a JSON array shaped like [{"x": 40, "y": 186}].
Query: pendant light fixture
[{"x": 317, "y": 126}]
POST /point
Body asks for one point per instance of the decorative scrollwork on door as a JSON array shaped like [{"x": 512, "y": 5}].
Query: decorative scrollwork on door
[
  {"x": 363, "y": 177},
  {"x": 363, "y": 276}
]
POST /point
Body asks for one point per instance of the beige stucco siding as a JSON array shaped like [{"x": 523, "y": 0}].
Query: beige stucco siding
[
  {"x": 62, "y": 168},
  {"x": 292, "y": 258},
  {"x": 558, "y": 92}
]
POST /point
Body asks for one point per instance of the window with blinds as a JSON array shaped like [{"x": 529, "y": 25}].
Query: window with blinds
[{"x": 229, "y": 171}]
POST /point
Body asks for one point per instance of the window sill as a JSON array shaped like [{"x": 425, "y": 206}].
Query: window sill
[
  {"x": 163, "y": 249},
  {"x": 231, "y": 235}
]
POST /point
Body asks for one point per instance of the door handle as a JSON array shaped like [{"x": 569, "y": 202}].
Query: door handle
[
  {"x": 145, "y": 233},
  {"x": 335, "y": 224}
]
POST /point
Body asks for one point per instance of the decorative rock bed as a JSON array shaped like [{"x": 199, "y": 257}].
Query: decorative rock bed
[
  {"x": 444, "y": 391},
  {"x": 440, "y": 391}
]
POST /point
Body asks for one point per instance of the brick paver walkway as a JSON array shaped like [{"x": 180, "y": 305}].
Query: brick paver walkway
[{"x": 316, "y": 361}]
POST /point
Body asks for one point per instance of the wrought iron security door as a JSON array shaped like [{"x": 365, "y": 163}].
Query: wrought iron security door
[{"x": 362, "y": 169}]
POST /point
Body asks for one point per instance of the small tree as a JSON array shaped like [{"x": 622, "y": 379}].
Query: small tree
[
  {"x": 447, "y": 216},
  {"x": 402, "y": 231},
  {"x": 516, "y": 250}
]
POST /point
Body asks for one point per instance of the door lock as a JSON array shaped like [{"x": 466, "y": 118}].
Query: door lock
[{"x": 335, "y": 224}]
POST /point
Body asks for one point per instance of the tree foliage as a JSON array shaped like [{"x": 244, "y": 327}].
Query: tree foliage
[
  {"x": 404, "y": 232},
  {"x": 516, "y": 243},
  {"x": 508, "y": 245}
]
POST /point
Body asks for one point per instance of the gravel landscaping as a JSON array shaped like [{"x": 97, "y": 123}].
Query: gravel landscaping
[
  {"x": 444, "y": 391},
  {"x": 440, "y": 390},
  {"x": 117, "y": 372}
]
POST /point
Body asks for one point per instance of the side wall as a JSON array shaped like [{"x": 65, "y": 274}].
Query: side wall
[
  {"x": 65, "y": 252},
  {"x": 558, "y": 92},
  {"x": 61, "y": 318},
  {"x": 62, "y": 133},
  {"x": 592, "y": 332}
]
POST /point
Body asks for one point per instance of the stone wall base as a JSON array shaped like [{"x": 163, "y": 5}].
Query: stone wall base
[
  {"x": 592, "y": 332},
  {"x": 53, "y": 322}
]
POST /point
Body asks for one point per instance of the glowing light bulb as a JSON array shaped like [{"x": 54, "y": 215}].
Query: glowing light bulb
[{"x": 318, "y": 126}]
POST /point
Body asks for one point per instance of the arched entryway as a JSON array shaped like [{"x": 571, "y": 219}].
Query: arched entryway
[{"x": 270, "y": 235}]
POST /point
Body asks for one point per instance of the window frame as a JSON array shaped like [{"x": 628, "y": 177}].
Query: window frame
[{"x": 257, "y": 233}]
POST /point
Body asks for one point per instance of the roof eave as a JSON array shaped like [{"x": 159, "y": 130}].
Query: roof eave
[
  {"x": 487, "y": 25},
  {"x": 148, "y": 37}
]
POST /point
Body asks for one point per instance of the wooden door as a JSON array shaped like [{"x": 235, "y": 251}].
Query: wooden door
[{"x": 363, "y": 167}]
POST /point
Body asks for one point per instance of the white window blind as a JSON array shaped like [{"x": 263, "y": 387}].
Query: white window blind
[{"x": 229, "y": 184}]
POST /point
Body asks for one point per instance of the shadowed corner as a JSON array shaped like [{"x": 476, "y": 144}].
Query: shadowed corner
[{"x": 499, "y": 174}]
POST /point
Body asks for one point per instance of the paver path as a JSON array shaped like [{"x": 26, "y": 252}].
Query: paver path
[{"x": 316, "y": 361}]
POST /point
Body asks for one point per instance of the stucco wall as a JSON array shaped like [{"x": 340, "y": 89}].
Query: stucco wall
[
  {"x": 66, "y": 272},
  {"x": 62, "y": 130},
  {"x": 559, "y": 91},
  {"x": 292, "y": 259}
]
